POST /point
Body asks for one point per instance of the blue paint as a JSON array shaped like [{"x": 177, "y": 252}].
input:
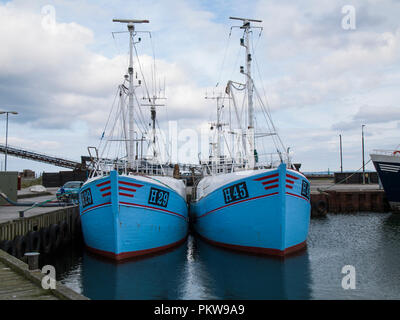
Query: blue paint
[
  {"x": 122, "y": 221},
  {"x": 267, "y": 219}
]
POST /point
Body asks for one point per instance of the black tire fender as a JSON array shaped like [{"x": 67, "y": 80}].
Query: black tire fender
[
  {"x": 55, "y": 236},
  {"x": 65, "y": 233},
  {"x": 34, "y": 241},
  {"x": 46, "y": 244},
  {"x": 321, "y": 207},
  {"x": 8, "y": 246},
  {"x": 78, "y": 227},
  {"x": 21, "y": 246}
]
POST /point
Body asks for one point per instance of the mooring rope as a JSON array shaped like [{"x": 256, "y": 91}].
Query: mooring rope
[{"x": 335, "y": 183}]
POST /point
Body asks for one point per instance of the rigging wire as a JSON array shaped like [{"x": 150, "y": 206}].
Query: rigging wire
[
  {"x": 165, "y": 142},
  {"x": 224, "y": 58},
  {"x": 108, "y": 119},
  {"x": 265, "y": 107},
  {"x": 335, "y": 183},
  {"x": 141, "y": 71},
  {"x": 154, "y": 66},
  {"x": 144, "y": 79}
]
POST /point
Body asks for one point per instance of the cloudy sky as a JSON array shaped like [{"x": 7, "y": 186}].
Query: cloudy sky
[{"x": 321, "y": 79}]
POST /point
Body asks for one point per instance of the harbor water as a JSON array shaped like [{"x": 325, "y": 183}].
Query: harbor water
[{"x": 196, "y": 270}]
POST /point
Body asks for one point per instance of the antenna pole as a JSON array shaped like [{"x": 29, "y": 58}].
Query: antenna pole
[
  {"x": 131, "y": 149},
  {"x": 250, "y": 88},
  {"x": 249, "y": 85},
  {"x": 153, "y": 119},
  {"x": 218, "y": 125},
  {"x": 131, "y": 28}
]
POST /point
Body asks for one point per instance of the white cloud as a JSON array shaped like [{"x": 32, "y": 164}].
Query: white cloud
[{"x": 316, "y": 74}]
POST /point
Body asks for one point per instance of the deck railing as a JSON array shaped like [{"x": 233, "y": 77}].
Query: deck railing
[{"x": 387, "y": 152}]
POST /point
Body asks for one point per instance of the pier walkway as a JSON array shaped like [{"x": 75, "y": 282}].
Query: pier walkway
[
  {"x": 11, "y": 213},
  {"x": 17, "y": 282},
  {"x": 15, "y": 287},
  {"x": 328, "y": 184},
  {"x": 8, "y": 213}
]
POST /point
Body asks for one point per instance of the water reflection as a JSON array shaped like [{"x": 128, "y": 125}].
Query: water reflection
[
  {"x": 155, "y": 277},
  {"x": 196, "y": 270},
  {"x": 68, "y": 264},
  {"x": 230, "y": 275},
  {"x": 388, "y": 259}
]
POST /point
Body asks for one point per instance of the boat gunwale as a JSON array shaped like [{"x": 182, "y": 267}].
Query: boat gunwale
[
  {"x": 159, "y": 183},
  {"x": 194, "y": 201}
]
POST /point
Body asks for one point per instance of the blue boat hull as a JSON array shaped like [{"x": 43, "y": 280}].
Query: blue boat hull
[
  {"x": 121, "y": 217},
  {"x": 272, "y": 218}
]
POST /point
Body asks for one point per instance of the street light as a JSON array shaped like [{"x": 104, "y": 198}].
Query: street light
[
  {"x": 341, "y": 154},
  {"x": 5, "y": 157},
  {"x": 362, "y": 133}
]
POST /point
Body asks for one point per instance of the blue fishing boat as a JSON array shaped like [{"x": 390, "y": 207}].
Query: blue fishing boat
[
  {"x": 265, "y": 211},
  {"x": 130, "y": 215},
  {"x": 131, "y": 206},
  {"x": 242, "y": 202}
]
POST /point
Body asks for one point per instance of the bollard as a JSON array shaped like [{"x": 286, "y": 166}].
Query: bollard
[{"x": 33, "y": 260}]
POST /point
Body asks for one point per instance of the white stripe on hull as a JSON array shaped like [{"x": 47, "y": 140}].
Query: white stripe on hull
[
  {"x": 389, "y": 170},
  {"x": 389, "y": 166}
]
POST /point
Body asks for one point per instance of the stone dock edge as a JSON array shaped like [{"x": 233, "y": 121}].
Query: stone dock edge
[{"x": 62, "y": 292}]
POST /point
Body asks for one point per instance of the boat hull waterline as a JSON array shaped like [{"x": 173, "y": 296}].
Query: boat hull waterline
[
  {"x": 264, "y": 212},
  {"x": 124, "y": 217}
]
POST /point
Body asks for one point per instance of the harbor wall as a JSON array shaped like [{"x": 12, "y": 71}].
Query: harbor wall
[
  {"x": 44, "y": 233},
  {"x": 9, "y": 185},
  {"x": 348, "y": 202}
]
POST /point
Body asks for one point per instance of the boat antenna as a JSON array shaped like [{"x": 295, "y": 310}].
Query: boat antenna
[
  {"x": 218, "y": 125},
  {"x": 245, "y": 42},
  {"x": 131, "y": 28}
]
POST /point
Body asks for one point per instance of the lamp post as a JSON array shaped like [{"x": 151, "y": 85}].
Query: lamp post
[
  {"x": 341, "y": 154},
  {"x": 362, "y": 133},
  {"x": 5, "y": 157}
]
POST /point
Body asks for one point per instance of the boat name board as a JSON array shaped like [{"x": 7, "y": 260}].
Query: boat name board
[
  {"x": 305, "y": 189},
  {"x": 158, "y": 197},
  {"x": 86, "y": 198},
  {"x": 235, "y": 192}
]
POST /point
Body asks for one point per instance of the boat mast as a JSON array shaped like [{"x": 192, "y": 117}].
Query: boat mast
[
  {"x": 245, "y": 42},
  {"x": 131, "y": 29},
  {"x": 153, "y": 119},
  {"x": 218, "y": 154},
  {"x": 152, "y": 104}
]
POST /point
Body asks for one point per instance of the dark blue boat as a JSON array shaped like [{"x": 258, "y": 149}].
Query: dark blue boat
[{"x": 387, "y": 164}]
